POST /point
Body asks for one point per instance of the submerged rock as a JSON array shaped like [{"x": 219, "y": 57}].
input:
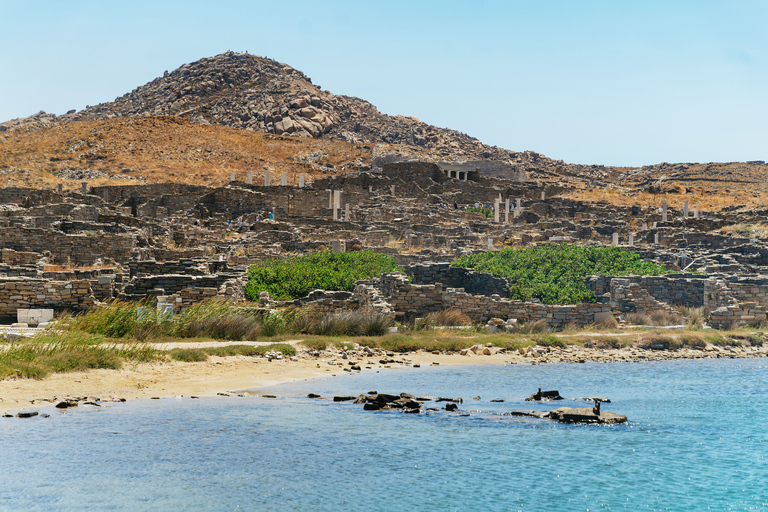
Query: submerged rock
[{"x": 586, "y": 415}]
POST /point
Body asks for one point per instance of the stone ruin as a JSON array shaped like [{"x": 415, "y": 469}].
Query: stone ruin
[{"x": 180, "y": 244}]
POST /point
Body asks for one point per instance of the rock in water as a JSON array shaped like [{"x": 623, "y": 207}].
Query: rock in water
[
  {"x": 586, "y": 415},
  {"x": 544, "y": 395}
]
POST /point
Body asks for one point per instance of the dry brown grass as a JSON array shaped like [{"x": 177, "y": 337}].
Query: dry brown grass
[{"x": 163, "y": 149}]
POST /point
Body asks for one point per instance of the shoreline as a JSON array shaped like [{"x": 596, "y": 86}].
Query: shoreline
[{"x": 238, "y": 374}]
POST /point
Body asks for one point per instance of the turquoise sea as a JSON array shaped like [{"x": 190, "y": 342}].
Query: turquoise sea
[{"x": 697, "y": 440}]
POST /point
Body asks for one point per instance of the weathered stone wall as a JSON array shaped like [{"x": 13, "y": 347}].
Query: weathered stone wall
[
  {"x": 675, "y": 289},
  {"x": 77, "y": 249},
  {"x": 11, "y": 257},
  {"x": 629, "y": 297},
  {"x": 228, "y": 286},
  {"x": 482, "y": 283},
  {"x": 27, "y": 293},
  {"x": 409, "y": 300},
  {"x": 151, "y": 267}
]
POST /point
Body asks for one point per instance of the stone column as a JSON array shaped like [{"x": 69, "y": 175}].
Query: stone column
[
  {"x": 685, "y": 210},
  {"x": 249, "y": 178},
  {"x": 336, "y": 204},
  {"x": 106, "y": 195},
  {"x": 370, "y": 189},
  {"x": 60, "y": 188},
  {"x": 393, "y": 189},
  {"x": 664, "y": 211},
  {"x": 645, "y": 226},
  {"x": 301, "y": 180},
  {"x": 330, "y": 197},
  {"x": 615, "y": 240},
  {"x": 496, "y": 212},
  {"x": 84, "y": 187},
  {"x": 543, "y": 195},
  {"x": 267, "y": 179},
  {"x": 517, "y": 203},
  {"x": 346, "y": 212},
  {"x": 284, "y": 179},
  {"x": 506, "y": 211},
  {"x": 656, "y": 238},
  {"x": 490, "y": 244},
  {"x": 631, "y": 239},
  {"x": 231, "y": 176},
  {"x": 696, "y": 214}
]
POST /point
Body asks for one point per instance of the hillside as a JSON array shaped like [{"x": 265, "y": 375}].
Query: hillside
[
  {"x": 237, "y": 112},
  {"x": 159, "y": 149}
]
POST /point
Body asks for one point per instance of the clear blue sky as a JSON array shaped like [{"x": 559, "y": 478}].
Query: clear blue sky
[{"x": 607, "y": 82}]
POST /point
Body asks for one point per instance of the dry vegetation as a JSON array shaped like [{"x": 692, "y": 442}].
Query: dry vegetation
[{"x": 162, "y": 149}]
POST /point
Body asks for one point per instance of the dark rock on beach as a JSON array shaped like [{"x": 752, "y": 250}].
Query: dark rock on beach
[
  {"x": 66, "y": 404},
  {"x": 27, "y": 414}
]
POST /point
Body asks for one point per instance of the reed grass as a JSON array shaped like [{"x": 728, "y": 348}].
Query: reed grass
[{"x": 68, "y": 352}]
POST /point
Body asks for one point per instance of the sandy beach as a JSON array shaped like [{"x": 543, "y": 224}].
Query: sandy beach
[{"x": 240, "y": 373}]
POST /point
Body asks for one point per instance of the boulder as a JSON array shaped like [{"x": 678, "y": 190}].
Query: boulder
[
  {"x": 540, "y": 396},
  {"x": 65, "y": 404},
  {"x": 343, "y": 398},
  {"x": 586, "y": 415}
]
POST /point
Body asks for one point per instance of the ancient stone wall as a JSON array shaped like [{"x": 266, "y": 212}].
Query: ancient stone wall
[
  {"x": 411, "y": 300},
  {"x": 629, "y": 297},
  {"x": 482, "y": 283},
  {"x": 11, "y": 257},
  {"x": 151, "y": 267},
  {"x": 77, "y": 249},
  {"x": 28, "y": 293},
  {"x": 674, "y": 289},
  {"x": 228, "y": 286}
]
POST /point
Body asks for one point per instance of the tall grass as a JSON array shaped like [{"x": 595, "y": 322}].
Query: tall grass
[{"x": 68, "y": 352}]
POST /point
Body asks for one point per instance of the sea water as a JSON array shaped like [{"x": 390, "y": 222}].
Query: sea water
[{"x": 696, "y": 440}]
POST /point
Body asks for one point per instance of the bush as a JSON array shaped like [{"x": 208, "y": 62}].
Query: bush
[
  {"x": 550, "y": 340},
  {"x": 293, "y": 278},
  {"x": 555, "y": 274},
  {"x": 449, "y": 318},
  {"x": 188, "y": 355}
]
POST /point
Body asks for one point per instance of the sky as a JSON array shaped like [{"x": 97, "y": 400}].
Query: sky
[{"x": 625, "y": 83}]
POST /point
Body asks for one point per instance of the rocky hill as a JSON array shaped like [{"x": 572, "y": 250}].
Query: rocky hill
[{"x": 245, "y": 91}]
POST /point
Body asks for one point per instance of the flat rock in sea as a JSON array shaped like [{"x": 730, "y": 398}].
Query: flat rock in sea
[
  {"x": 343, "y": 398},
  {"x": 544, "y": 395},
  {"x": 27, "y": 414},
  {"x": 586, "y": 415}
]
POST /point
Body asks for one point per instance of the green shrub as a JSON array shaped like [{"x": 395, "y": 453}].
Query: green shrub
[
  {"x": 295, "y": 277},
  {"x": 555, "y": 274},
  {"x": 550, "y": 340},
  {"x": 188, "y": 355}
]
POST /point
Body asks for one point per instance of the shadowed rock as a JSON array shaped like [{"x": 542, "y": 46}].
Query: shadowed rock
[
  {"x": 540, "y": 396},
  {"x": 586, "y": 415}
]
